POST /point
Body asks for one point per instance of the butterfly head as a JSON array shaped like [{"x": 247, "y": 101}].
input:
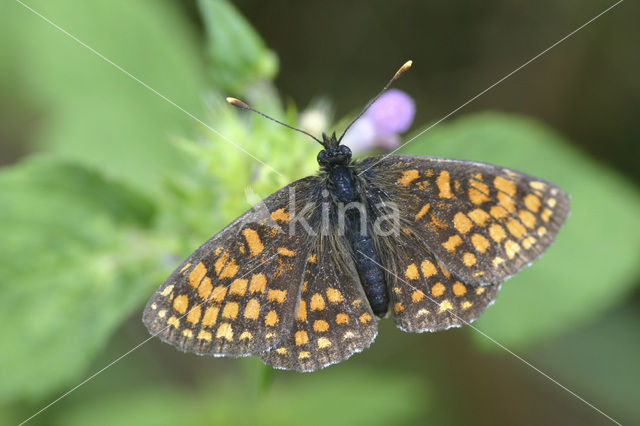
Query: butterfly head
[{"x": 333, "y": 154}]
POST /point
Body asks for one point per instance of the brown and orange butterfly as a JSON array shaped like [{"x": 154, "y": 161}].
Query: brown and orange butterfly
[{"x": 301, "y": 278}]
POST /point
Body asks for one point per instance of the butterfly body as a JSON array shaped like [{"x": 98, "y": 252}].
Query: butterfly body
[{"x": 345, "y": 190}]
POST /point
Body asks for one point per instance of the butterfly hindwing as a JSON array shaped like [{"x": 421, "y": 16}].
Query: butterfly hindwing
[
  {"x": 237, "y": 293},
  {"x": 482, "y": 222},
  {"x": 425, "y": 296},
  {"x": 333, "y": 317}
]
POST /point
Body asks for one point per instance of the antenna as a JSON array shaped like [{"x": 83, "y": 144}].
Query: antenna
[
  {"x": 238, "y": 103},
  {"x": 397, "y": 75}
]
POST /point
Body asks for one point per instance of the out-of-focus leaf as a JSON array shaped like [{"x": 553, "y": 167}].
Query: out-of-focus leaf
[
  {"x": 237, "y": 53},
  {"x": 594, "y": 261},
  {"x": 350, "y": 398},
  {"x": 600, "y": 362},
  {"x": 73, "y": 246},
  {"x": 91, "y": 111}
]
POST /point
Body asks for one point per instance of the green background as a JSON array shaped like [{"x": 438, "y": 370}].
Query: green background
[{"x": 106, "y": 186}]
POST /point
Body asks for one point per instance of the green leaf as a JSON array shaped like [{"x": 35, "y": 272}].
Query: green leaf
[
  {"x": 71, "y": 261},
  {"x": 89, "y": 110},
  {"x": 594, "y": 262},
  {"x": 237, "y": 53},
  {"x": 600, "y": 362},
  {"x": 349, "y": 397}
]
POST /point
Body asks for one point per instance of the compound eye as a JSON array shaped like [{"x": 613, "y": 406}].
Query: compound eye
[
  {"x": 322, "y": 157},
  {"x": 344, "y": 150}
]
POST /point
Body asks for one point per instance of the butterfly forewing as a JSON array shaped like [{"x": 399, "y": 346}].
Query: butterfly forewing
[
  {"x": 237, "y": 293},
  {"x": 482, "y": 222},
  {"x": 333, "y": 317}
]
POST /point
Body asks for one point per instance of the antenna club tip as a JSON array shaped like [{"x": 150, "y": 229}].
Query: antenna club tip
[
  {"x": 237, "y": 102},
  {"x": 403, "y": 68}
]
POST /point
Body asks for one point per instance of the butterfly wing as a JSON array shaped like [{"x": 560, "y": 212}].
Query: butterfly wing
[
  {"x": 464, "y": 228},
  {"x": 237, "y": 293},
  {"x": 333, "y": 317},
  {"x": 426, "y": 296},
  {"x": 483, "y": 222}
]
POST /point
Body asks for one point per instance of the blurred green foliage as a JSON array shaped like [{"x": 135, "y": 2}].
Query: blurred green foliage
[{"x": 120, "y": 188}]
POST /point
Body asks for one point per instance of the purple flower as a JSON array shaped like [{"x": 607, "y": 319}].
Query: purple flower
[{"x": 381, "y": 124}]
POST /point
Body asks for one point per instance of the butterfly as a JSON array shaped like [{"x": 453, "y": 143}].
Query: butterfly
[{"x": 302, "y": 278}]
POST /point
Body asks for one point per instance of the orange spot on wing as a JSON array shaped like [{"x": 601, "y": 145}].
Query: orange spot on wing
[
  {"x": 230, "y": 270},
  {"x": 459, "y": 289},
  {"x": 301, "y": 337},
  {"x": 444, "y": 185},
  {"x": 196, "y": 275},
  {"x": 479, "y": 216},
  {"x": 499, "y": 212},
  {"x": 174, "y": 321},
  {"x": 218, "y": 294},
  {"x": 277, "y": 295},
  {"x": 220, "y": 262},
  {"x": 334, "y": 295},
  {"x": 423, "y": 211},
  {"x": 342, "y": 318},
  {"x": 445, "y": 305},
  {"x": 504, "y": 185},
  {"x": 527, "y": 218},
  {"x": 301, "y": 314},
  {"x": 497, "y": 232},
  {"x": 181, "y": 303},
  {"x": 438, "y": 289},
  {"x": 194, "y": 314},
  {"x": 253, "y": 241},
  {"x": 412, "y": 272},
  {"x": 286, "y": 252},
  {"x": 281, "y": 215},
  {"x": 469, "y": 259},
  {"x": 506, "y": 201},
  {"x": 230, "y": 310},
  {"x": 478, "y": 192},
  {"x": 317, "y": 302},
  {"x": 516, "y": 228},
  {"x": 323, "y": 342},
  {"x": 480, "y": 243},
  {"x": 364, "y": 318},
  {"x": 210, "y": 316},
  {"x": 271, "y": 319},
  {"x": 407, "y": 177},
  {"x": 205, "y": 335},
  {"x": 451, "y": 244},
  {"x": 320, "y": 326},
  {"x": 204, "y": 290},
  {"x": 462, "y": 223},
  {"x": 511, "y": 248},
  {"x": 225, "y": 331},
  {"x": 532, "y": 202},
  {"x": 252, "y": 310},
  {"x": 258, "y": 283},
  {"x": 428, "y": 268},
  {"x": 239, "y": 286},
  {"x": 417, "y": 295}
]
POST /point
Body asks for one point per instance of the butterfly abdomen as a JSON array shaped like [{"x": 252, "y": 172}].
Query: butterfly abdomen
[{"x": 371, "y": 274}]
